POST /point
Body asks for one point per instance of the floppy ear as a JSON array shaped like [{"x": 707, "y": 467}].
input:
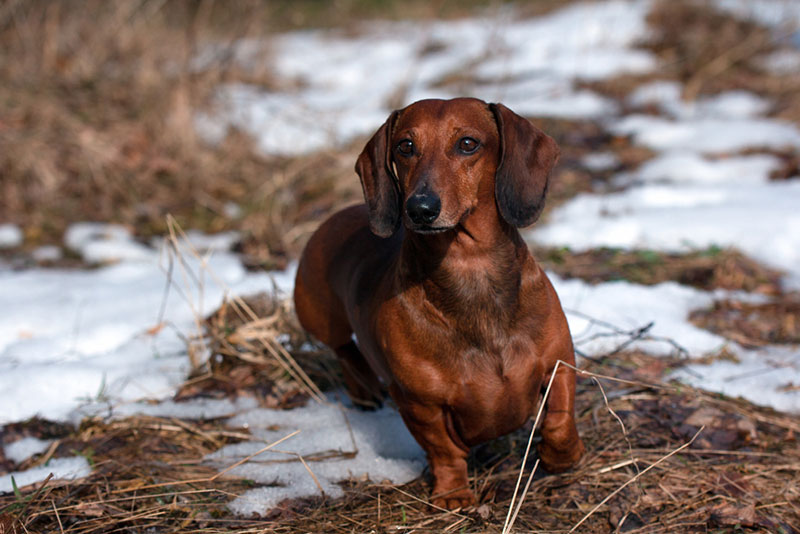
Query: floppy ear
[
  {"x": 378, "y": 181},
  {"x": 527, "y": 156}
]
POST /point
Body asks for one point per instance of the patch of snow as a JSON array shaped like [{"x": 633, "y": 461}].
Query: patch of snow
[
  {"x": 22, "y": 449},
  {"x": 62, "y": 469},
  {"x": 684, "y": 217},
  {"x": 708, "y": 135},
  {"x": 200, "y": 409},
  {"x": 47, "y": 253},
  {"x": 202, "y": 242},
  {"x": 545, "y": 97},
  {"x": 321, "y": 100},
  {"x": 776, "y": 13},
  {"x": 600, "y": 161},
  {"x": 767, "y": 377},
  {"x": 585, "y": 40},
  {"x": 79, "y": 337},
  {"x": 385, "y": 450},
  {"x": 666, "y": 96},
  {"x": 681, "y": 167},
  {"x": 734, "y": 105},
  {"x": 10, "y": 236},
  {"x": 105, "y": 243},
  {"x": 591, "y": 308},
  {"x": 232, "y": 210},
  {"x": 785, "y": 61}
]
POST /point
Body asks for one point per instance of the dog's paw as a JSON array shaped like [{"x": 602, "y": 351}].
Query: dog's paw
[
  {"x": 557, "y": 461},
  {"x": 454, "y": 499}
]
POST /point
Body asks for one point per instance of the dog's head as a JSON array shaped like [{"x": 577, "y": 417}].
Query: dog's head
[{"x": 434, "y": 162}]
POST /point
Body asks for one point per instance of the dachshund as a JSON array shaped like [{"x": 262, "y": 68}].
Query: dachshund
[{"x": 451, "y": 313}]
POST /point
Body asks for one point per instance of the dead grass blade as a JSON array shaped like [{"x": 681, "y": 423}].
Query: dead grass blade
[{"x": 179, "y": 245}]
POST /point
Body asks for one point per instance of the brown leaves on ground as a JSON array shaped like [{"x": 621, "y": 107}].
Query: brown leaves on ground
[
  {"x": 754, "y": 325},
  {"x": 146, "y": 473},
  {"x": 705, "y": 48},
  {"x": 706, "y": 269}
]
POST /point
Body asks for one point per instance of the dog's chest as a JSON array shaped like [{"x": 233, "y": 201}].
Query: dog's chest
[{"x": 496, "y": 393}]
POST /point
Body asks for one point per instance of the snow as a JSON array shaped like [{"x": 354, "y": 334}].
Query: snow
[
  {"x": 666, "y": 96},
  {"x": 600, "y": 161},
  {"x": 10, "y": 236},
  {"x": 47, "y": 253},
  {"x": 22, "y": 449},
  {"x": 778, "y": 13},
  {"x": 62, "y": 469},
  {"x": 681, "y": 167},
  {"x": 708, "y": 135},
  {"x": 384, "y": 449},
  {"x": 321, "y": 100},
  {"x": 199, "y": 409},
  {"x": 629, "y": 307},
  {"x": 782, "y": 61},
  {"x": 767, "y": 376},
  {"x": 681, "y": 218},
  {"x": 105, "y": 243},
  {"x": 78, "y": 336}
]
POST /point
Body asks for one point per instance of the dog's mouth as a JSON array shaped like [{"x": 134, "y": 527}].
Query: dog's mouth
[{"x": 427, "y": 230}]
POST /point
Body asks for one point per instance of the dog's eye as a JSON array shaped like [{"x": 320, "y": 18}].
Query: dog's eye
[
  {"x": 467, "y": 145},
  {"x": 405, "y": 147}
]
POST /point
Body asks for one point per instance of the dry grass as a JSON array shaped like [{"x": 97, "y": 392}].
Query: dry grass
[
  {"x": 739, "y": 475},
  {"x": 711, "y": 51},
  {"x": 97, "y": 124},
  {"x": 754, "y": 325},
  {"x": 708, "y": 269}
]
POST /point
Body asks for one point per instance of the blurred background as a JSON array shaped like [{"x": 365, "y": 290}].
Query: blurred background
[{"x": 248, "y": 115}]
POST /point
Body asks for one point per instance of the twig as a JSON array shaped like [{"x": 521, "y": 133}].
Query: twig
[
  {"x": 277, "y": 351},
  {"x": 33, "y": 499},
  {"x": 508, "y": 523},
  {"x": 634, "y": 335},
  {"x": 524, "y": 494},
  {"x": 58, "y": 518}
]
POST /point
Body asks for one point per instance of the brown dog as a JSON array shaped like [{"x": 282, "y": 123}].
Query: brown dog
[{"x": 451, "y": 312}]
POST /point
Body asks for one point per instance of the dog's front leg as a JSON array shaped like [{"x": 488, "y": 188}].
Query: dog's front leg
[
  {"x": 561, "y": 447},
  {"x": 432, "y": 427}
]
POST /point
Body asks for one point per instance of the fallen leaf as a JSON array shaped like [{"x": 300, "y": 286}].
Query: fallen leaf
[{"x": 730, "y": 514}]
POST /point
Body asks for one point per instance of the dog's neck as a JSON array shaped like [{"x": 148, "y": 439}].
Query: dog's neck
[{"x": 470, "y": 274}]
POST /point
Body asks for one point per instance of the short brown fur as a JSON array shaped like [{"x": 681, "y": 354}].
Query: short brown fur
[{"x": 453, "y": 316}]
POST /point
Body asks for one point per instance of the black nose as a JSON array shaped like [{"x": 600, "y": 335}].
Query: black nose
[{"x": 423, "y": 208}]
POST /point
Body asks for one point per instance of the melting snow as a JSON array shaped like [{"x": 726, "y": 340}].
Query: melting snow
[
  {"x": 61, "y": 468},
  {"x": 10, "y": 236},
  {"x": 78, "y": 336},
  {"x": 376, "y": 445},
  {"x": 323, "y": 101},
  {"x": 22, "y": 449}
]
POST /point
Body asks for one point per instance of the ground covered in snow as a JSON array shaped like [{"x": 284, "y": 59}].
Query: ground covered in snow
[{"x": 109, "y": 340}]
